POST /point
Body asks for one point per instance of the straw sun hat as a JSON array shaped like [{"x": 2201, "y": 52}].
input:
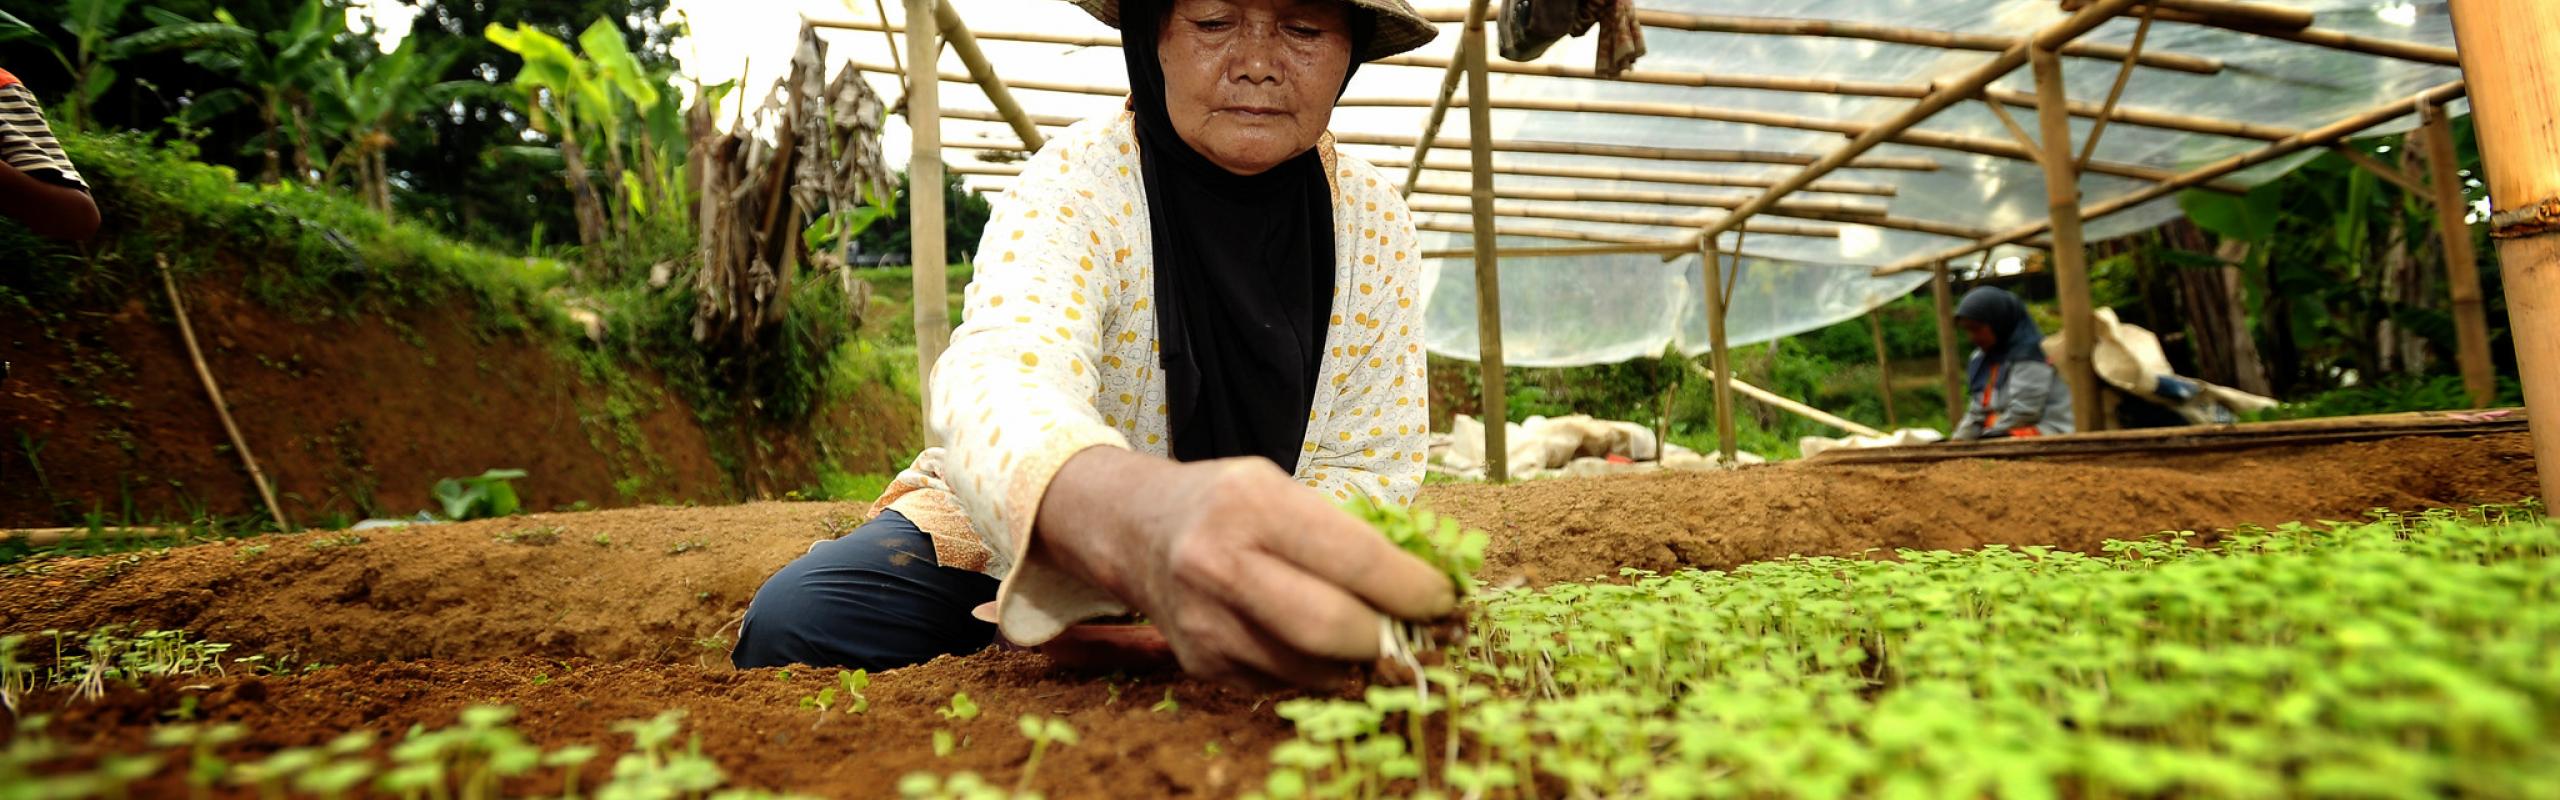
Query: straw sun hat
[{"x": 1400, "y": 28}]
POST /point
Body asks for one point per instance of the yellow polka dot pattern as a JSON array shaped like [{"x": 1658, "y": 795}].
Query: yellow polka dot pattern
[{"x": 1067, "y": 367}]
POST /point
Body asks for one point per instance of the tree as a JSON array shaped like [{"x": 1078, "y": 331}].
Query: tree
[
  {"x": 379, "y": 99},
  {"x": 96, "y": 46},
  {"x": 279, "y": 69}
]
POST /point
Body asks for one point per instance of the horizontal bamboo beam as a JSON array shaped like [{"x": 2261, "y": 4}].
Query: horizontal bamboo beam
[
  {"x": 1947, "y": 94},
  {"x": 2151, "y": 118},
  {"x": 1784, "y": 404},
  {"x": 2415, "y": 186},
  {"x": 1920, "y": 37},
  {"x": 2195, "y": 12},
  {"x": 2317, "y": 137},
  {"x": 1859, "y": 209},
  {"x": 1558, "y": 234},
  {"x": 1650, "y": 152},
  {"x": 1572, "y": 213},
  {"x": 1467, "y": 253},
  {"x": 1646, "y": 176}
]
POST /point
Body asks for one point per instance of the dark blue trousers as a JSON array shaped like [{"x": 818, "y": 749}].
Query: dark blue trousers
[{"x": 875, "y": 599}]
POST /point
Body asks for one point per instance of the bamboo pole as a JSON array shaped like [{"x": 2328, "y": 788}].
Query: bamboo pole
[
  {"x": 2070, "y": 258},
  {"x": 2316, "y": 137},
  {"x": 1560, "y": 234},
  {"x": 1497, "y": 451},
  {"x": 2255, "y": 15},
  {"x": 1884, "y": 366},
  {"x": 1947, "y": 94},
  {"x": 2188, "y": 12},
  {"x": 1579, "y": 214},
  {"x": 1917, "y": 37},
  {"x": 1853, "y": 208},
  {"x": 2115, "y": 93},
  {"x": 2153, "y": 118},
  {"x": 1719, "y": 356},
  {"x": 1469, "y": 253},
  {"x": 2461, "y": 264},
  {"x": 2511, "y": 54},
  {"x": 983, "y": 72},
  {"x": 213, "y": 393},
  {"x": 1950, "y": 368},
  {"x": 2415, "y": 186},
  {"x": 1647, "y": 176},
  {"x": 1651, "y": 152},
  {"x": 1449, "y": 75},
  {"x": 1780, "y": 402},
  {"x": 924, "y": 203}
]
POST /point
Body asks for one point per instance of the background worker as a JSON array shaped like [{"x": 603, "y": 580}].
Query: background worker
[{"x": 2011, "y": 390}]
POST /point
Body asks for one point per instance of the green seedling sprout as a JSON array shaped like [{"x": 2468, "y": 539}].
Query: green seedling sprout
[
  {"x": 853, "y": 682},
  {"x": 960, "y": 709},
  {"x": 1167, "y": 705},
  {"x": 1043, "y": 732}
]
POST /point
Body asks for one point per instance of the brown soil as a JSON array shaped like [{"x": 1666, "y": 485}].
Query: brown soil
[
  {"x": 354, "y": 416},
  {"x": 627, "y": 611}
]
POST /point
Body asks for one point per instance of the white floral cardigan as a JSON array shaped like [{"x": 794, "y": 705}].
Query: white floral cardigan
[{"x": 1058, "y": 353}]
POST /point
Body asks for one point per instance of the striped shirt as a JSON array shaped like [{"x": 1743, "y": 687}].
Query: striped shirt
[{"x": 26, "y": 143}]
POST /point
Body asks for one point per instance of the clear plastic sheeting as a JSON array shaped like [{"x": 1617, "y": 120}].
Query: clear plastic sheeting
[
  {"x": 1591, "y": 310},
  {"x": 1557, "y": 313}
]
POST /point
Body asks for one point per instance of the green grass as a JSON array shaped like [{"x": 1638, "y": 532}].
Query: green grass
[{"x": 2407, "y": 656}]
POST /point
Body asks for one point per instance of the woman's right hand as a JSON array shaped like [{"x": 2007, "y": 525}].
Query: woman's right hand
[{"x": 1251, "y": 575}]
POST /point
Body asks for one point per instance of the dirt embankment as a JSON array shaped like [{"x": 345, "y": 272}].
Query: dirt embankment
[{"x": 359, "y": 415}]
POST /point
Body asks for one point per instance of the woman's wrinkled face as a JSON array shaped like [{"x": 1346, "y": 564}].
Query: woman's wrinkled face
[{"x": 1251, "y": 83}]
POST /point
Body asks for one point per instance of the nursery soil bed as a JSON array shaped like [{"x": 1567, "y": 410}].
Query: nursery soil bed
[{"x": 626, "y": 612}]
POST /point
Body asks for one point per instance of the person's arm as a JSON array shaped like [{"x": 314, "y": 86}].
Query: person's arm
[
  {"x": 1373, "y": 441},
  {"x": 48, "y": 209},
  {"x": 2030, "y": 383}
]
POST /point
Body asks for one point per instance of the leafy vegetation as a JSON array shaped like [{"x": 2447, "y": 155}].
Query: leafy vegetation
[
  {"x": 2405, "y": 656},
  {"x": 488, "y": 494}
]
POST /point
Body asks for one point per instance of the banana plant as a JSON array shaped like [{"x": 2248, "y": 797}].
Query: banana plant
[
  {"x": 98, "y": 44},
  {"x": 368, "y": 107},
  {"x": 281, "y": 68}
]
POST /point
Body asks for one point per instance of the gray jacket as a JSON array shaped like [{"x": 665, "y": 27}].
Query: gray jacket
[{"x": 2031, "y": 394}]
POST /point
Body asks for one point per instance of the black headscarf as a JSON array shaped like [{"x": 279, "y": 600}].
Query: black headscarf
[
  {"x": 1244, "y": 274},
  {"x": 2014, "y": 333}
]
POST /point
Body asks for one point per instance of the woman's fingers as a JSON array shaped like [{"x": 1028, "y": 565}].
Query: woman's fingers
[
  {"x": 1339, "y": 549},
  {"x": 1303, "y": 611},
  {"x": 1218, "y": 642}
]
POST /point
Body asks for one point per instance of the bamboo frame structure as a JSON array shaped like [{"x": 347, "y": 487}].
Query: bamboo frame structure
[
  {"x": 1449, "y": 75},
  {"x": 1861, "y": 211},
  {"x": 1917, "y": 37},
  {"x": 2315, "y": 137},
  {"x": 2115, "y": 93},
  {"x": 1947, "y": 94},
  {"x": 2461, "y": 263},
  {"x": 1558, "y": 234},
  {"x": 1476, "y": 49},
  {"x": 925, "y": 246},
  {"x": 1950, "y": 368},
  {"x": 1719, "y": 354},
  {"x": 2295, "y": 26},
  {"x": 2070, "y": 256},
  {"x": 1558, "y": 252},
  {"x": 2151, "y": 118},
  {"x": 2511, "y": 56}
]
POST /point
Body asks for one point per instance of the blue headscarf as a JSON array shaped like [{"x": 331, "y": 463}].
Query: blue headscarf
[{"x": 2015, "y": 336}]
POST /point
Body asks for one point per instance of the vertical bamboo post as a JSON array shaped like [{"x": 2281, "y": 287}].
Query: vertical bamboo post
[
  {"x": 221, "y": 407},
  {"x": 2511, "y": 60},
  {"x": 1884, "y": 367},
  {"x": 1950, "y": 367},
  {"x": 924, "y": 200},
  {"x": 2070, "y": 258},
  {"x": 1497, "y": 446},
  {"x": 2461, "y": 263},
  {"x": 1719, "y": 357}
]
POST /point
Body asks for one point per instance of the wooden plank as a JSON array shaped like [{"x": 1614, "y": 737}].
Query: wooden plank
[{"x": 2198, "y": 438}]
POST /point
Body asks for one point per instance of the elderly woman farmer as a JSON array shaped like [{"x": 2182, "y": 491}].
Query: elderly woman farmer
[
  {"x": 2014, "y": 391},
  {"x": 1193, "y": 332}
]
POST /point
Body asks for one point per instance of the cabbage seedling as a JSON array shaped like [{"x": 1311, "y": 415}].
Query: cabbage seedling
[{"x": 1042, "y": 731}]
